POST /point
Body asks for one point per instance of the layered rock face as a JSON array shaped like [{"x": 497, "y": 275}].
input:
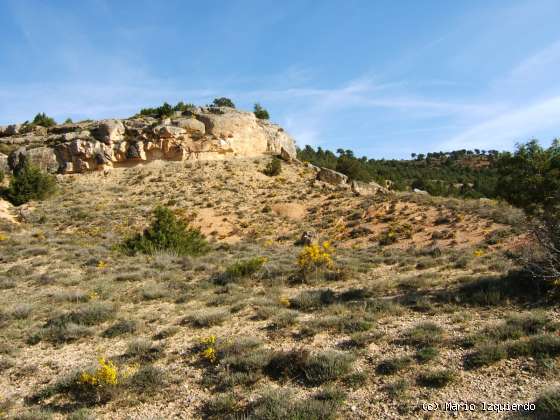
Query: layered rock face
[{"x": 205, "y": 133}]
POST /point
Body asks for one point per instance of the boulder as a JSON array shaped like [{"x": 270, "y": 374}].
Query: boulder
[
  {"x": 12, "y": 130},
  {"x": 332, "y": 177},
  {"x": 312, "y": 167},
  {"x": 109, "y": 131},
  {"x": 17, "y": 158},
  {"x": 169, "y": 131},
  {"x": 305, "y": 239},
  {"x": 7, "y": 212},
  {"x": 136, "y": 151},
  {"x": 42, "y": 157},
  {"x": 191, "y": 125},
  {"x": 367, "y": 189},
  {"x": 417, "y": 191},
  {"x": 278, "y": 141}
]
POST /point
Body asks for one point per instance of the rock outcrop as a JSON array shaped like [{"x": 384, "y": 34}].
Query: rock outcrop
[
  {"x": 332, "y": 177},
  {"x": 4, "y": 163},
  {"x": 367, "y": 188},
  {"x": 204, "y": 133}
]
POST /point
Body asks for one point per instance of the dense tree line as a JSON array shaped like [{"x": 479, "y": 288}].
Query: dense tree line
[{"x": 461, "y": 173}]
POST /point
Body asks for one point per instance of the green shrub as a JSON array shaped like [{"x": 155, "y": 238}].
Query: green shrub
[
  {"x": 392, "y": 366},
  {"x": 143, "y": 349},
  {"x": 148, "y": 379},
  {"x": 167, "y": 233},
  {"x": 355, "y": 380},
  {"x": 260, "y": 112},
  {"x": 208, "y": 318},
  {"x": 120, "y": 327},
  {"x": 437, "y": 378},
  {"x": 299, "y": 364},
  {"x": 310, "y": 300},
  {"x": 282, "y": 405},
  {"x": 282, "y": 319},
  {"x": 547, "y": 405},
  {"x": 223, "y": 102},
  {"x": 495, "y": 290},
  {"x": 222, "y": 406},
  {"x": 29, "y": 183},
  {"x": 239, "y": 362},
  {"x": 240, "y": 269},
  {"x": 59, "y": 333},
  {"x": 43, "y": 120},
  {"x": 485, "y": 355},
  {"x": 538, "y": 346},
  {"x": 81, "y": 414},
  {"x": 424, "y": 334},
  {"x": 86, "y": 314},
  {"x": 397, "y": 389},
  {"x": 73, "y": 325},
  {"x": 166, "y": 110},
  {"x": 425, "y": 354},
  {"x": 273, "y": 168}
]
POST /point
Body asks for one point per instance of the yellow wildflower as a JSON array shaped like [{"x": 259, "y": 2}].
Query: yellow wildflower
[
  {"x": 284, "y": 301},
  {"x": 209, "y": 353},
  {"x": 105, "y": 374},
  {"x": 315, "y": 256}
]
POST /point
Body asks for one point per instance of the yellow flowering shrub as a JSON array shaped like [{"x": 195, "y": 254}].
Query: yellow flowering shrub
[
  {"x": 106, "y": 374},
  {"x": 315, "y": 256},
  {"x": 209, "y": 352},
  {"x": 478, "y": 253},
  {"x": 284, "y": 301}
]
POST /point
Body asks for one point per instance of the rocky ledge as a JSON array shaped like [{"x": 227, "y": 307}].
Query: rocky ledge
[{"x": 205, "y": 133}]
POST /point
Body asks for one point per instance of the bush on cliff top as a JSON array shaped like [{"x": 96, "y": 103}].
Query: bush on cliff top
[
  {"x": 167, "y": 233},
  {"x": 260, "y": 112},
  {"x": 43, "y": 120},
  {"x": 223, "y": 102}
]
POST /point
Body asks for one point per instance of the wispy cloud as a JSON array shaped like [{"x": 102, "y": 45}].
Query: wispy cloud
[{"x": 516, "y": 125}]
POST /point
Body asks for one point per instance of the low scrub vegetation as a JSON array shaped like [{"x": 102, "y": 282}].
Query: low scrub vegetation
[
  {"x": 310, "y": 369},
  {"x": 539, "y": 346},
  {"x": 437, "y": 378}
]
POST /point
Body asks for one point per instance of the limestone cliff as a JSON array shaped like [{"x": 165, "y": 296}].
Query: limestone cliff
[{"x": 205, "y": 133}]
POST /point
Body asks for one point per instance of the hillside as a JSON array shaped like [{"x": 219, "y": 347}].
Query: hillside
[{"x": 412, "y": 288}]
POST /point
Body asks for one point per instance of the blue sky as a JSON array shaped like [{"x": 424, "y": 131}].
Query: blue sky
[{"x": 384, "y": 78}]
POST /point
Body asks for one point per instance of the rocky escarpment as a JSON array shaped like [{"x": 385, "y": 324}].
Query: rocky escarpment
[{"x": 205, "y": 133}]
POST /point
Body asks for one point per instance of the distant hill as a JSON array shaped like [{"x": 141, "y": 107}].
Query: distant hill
[{"x": 460, "y": 173}]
